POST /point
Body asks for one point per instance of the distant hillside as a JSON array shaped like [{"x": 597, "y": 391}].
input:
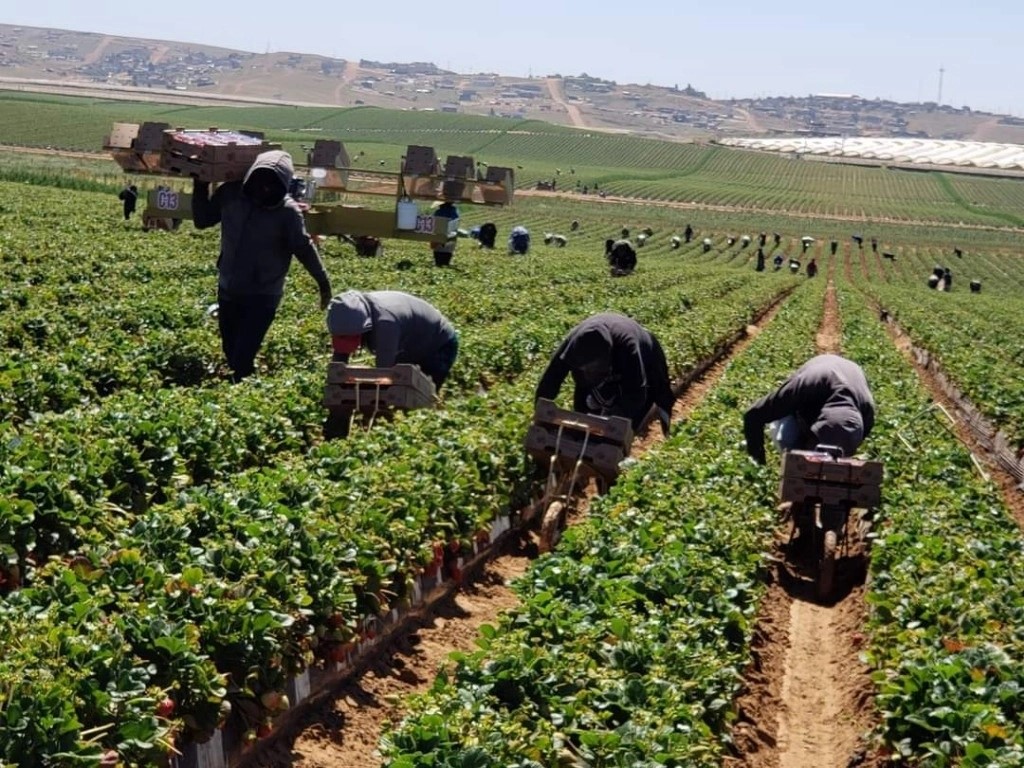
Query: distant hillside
[{"x": 58, "y": 60}]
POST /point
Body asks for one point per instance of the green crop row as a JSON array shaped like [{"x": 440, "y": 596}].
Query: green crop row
[{"x": 946, "y": 597}]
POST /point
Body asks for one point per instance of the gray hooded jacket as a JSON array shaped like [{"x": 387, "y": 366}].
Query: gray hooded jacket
[
  {"x": 396, "y": 326},
  {"x": 830, "y": 398},
  {"x": 257, "y": 242}
]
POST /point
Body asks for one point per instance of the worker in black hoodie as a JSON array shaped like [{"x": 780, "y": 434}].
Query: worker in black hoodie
[
  {"x": 261, "y": 228},
  {"x": 618, "y": 368}
]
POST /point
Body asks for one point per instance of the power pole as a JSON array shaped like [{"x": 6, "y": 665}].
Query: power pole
[{"x": 942, "y": 70}]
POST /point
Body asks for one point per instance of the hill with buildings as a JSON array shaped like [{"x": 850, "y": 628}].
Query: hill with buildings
[{"x": 117, "y": 67}]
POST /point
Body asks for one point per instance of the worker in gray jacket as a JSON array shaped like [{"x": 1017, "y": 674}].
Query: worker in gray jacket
[
  {"x": 397, "y": 327},
  {"x": 261, "y": 228},
  {"x": 825, "y": 402}
]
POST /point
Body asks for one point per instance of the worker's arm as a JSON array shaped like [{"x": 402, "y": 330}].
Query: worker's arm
[
  {"x": 205, "y": 209},
  {"x": 769, "y": 408},
  {"x": 387, "y": 335},
  {"x": 551, "y": 380},
  {"x": 301, "y": 244}
]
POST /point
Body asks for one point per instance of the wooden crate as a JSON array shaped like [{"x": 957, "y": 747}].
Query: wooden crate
[
  {"x": 813, "y": 465},
  {"x": 361, "y": 388},
  {"x": 609, "y": 441}
]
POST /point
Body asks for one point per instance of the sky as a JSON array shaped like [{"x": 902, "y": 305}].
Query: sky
[{"x": 728, "y": 49}]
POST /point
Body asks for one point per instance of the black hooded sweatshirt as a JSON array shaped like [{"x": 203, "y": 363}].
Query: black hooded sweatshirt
[{"x": 637, "y": 366}]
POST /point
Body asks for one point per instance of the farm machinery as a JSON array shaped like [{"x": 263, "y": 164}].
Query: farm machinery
[
  {"x": 821, "y": 489},
  {"x": 571, "y": 448},
  {"x": 217, "y": 156}
]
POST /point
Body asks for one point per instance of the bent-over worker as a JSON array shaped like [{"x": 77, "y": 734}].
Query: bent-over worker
[
  {"x": 827, "y": 401},
  {"x": 397, "y": 327},
  {"x": 618, "y": 368}
]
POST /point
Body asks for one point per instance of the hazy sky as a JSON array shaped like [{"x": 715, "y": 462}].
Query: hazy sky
[{"x": 728, "y": 48}]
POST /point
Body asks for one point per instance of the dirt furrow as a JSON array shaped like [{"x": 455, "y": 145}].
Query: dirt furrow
[
  {"x": 807, "y": 699},
  {"x": 344, "y": 731}
]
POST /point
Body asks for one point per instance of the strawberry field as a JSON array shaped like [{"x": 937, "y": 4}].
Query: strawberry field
[{"x": 175, "y": 550}]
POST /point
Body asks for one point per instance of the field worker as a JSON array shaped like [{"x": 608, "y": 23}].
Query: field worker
[
  {"x": 261, "y": 228},
  {"x": 443, "y": 250},
  {"x": 519, "y": 240},
  {"x": 621, "y": 256},
  {"x": 760, "y": 260},
  {"x": 129, "y": 196},
  {"x": 688, "y": 233},
  {"x": 618, "y": 368},
  {"x": 777, "y": 260},
  {"x": 825, "y": 402},
  {"x": 812, "y": 268},
  {"x": 397, "y": 327}
]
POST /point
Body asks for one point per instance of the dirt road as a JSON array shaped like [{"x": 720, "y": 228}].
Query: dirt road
[{"x": 557, "y": 92}]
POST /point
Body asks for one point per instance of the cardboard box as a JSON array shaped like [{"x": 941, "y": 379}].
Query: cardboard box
[
  {"x": 211, "y": 155},
  {"x": 602, "y": 442},
  {"x": 366, "y": 389},
  {"x": 813, "y": 465},
  {"x": 799, "y": 489}
]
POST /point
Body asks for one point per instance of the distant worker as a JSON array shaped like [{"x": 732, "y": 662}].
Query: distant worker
[
  {"x": 794, "y": 265},
  {"x": 397, "y": 327},
  {"x": 129, "y": 196},
  {"x": 688, "y": 233},
  {"x": 777, "y": 260},
  {"x": 827, "y": 401},
  {"x": 958, "y": 253},
  {"x": 859, "y": 240},
  {"x": 762, "y": 239},
  {"x": 519, "y": 240},
  {"x": 676, "y": 242},
  {"x": 812, "y": 268},
  {"x": 621, "y": 257},
  {"x": 777, "y": 238},
  {"x": 706, "y": 244},
  {"x": 744, "y": 241},
  {"x": 443, "y": 249},
  {"x": 833, "y": 245},
  {"x": 488, "y": 234},
  {"x": 947, "y": 279},
  {"x": 874, "y": 244},
  {"x": 618, "y": 369},
  {"x": 261, "y": 228},
  {"x": 760, "y": 260},
  {"x": 575, "y": 225}
]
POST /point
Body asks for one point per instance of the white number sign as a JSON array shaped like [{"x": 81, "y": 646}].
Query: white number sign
[
  {"x": 425, "y": 225},
  {"x": 167, "y": 200}
]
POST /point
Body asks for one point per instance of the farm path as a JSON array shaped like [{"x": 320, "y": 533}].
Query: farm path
[
  {"x": 344, "y": 731},
  {"x": 348, "y": 76},
  {"x": 557, "y": 91},
  {"x": 94, "y": 55},
  {"x": 158, "y": 54},
  {"x": 807, "y": 699}
]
